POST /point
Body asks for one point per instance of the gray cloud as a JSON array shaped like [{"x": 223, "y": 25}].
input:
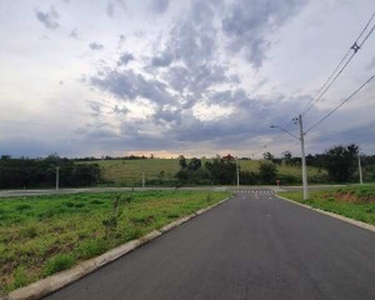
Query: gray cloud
[
  {"x": 125, "y": 58},
  {"x": 250, "y": 21},
  {"x": 95, "y": 107},
  {"x": 96, "y": 46},
  {"x": 163, "y": 60},
  {"x": 48, "y": 19},
  {"x": 186, "y": 71},
  {"x": 120, "y": 111},
  {"x": 159, "y": 6},
  {"x": 128, "y": 85},
  {"x": 190, "y": 70},
  {"x": 110, "y": 9},
  {"x": 113, "y": 5},
  {"x": 74, "y": 33}
]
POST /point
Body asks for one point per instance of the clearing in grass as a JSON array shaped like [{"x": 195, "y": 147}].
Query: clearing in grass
[{"x": 42, "y": 235}]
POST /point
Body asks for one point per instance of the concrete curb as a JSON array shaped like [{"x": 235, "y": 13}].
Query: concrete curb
[
  {"x": 55, "y": 282},
  {"x": 333, "y": 215}
]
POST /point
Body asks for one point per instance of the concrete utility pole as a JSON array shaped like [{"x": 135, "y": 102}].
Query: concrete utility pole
[
  {"x": 57, "y": 178},
  {"x": 360, "y": 169},
  {"x": 238, "y": 173},
  {"x": 303, "y": 159},
  {"x": 301, "y": 138},
  {"x": 143, "y": 180}
]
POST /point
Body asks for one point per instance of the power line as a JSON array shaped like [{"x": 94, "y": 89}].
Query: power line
[
  {"x": 341, "y": 104},
  {"x": 329, "y": 82}
]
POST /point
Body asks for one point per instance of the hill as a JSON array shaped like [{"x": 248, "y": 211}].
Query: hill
[{"x": 129, "y": 172}]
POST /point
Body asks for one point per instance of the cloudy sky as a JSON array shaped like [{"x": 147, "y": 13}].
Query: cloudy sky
[{"x": 173, "y": 77}]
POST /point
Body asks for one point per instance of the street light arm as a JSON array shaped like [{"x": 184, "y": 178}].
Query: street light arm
[{"x": 286, "y": 131}]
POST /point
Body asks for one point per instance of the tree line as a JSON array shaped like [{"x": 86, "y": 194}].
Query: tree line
[
  {"x": 338, "y": 164},
  {"x": 222, "y": 171},
  {"x": 16, "y": 173}
]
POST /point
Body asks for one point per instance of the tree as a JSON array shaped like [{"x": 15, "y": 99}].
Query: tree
[
  {"x": 341, "y": 162},
  {"x": 287, "y": 157},
  {"x": 221, "y": 171},
  {"x": 182, "y": 163},
  {"x": 195, "y": 164},
  {"x": 267, "y": 172},
  {"x": 268, "y": 156}
]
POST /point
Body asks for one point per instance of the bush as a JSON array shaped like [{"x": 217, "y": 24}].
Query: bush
[
  {"x": 58, "y": 263},
  {"x": 247, "y": 177},
  {"x": 267, "y": 172},
  {"x": 289, "y": 179},
  {"x": 92, "y": 248},
  {"x": 20, "y": 278}
]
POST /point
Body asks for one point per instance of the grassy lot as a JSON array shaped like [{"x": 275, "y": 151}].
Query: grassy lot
[
  {"x": 356, "y": 202},
  {"x": 42, "y": 235},
  {"x": 129, "y": 172}
]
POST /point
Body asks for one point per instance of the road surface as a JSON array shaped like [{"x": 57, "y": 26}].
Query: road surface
[{"x": 254, "y": 246}]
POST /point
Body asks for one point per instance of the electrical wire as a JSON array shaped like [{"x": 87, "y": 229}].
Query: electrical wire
[
  {"x": 329, "y": 82},
  {"x": 341, "y": 104}
]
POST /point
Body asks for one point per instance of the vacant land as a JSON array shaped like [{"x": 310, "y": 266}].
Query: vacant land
[
  {"x": 42, "y": 235},
  {"x": 129, "y": 172},
  {"x": 356, "y": 202}
]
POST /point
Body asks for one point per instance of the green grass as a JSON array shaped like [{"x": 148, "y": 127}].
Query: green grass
[
  {"x": 42, "y": 235},
  {"x": 355, "y": 202},
  {"x": 129, "y": 172}
]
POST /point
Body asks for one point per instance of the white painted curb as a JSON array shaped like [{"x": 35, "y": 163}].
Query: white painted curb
[
  {"x": 55, "y": 282},
  {"x": 333, "y": 215}
]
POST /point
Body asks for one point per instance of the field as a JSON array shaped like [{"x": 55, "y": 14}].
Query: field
[
  {"x": 129, "y": 172},
  {"x": 356, "y": 202},
  {"x": 42, "y": 235}
]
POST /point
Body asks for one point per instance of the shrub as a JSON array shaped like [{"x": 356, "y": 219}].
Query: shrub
[
  {"x": 267, "y": 173},
  {"x": 247, "y": 177},
  {"x": 92, "y": 248},
  {"x": 111, "y": 222},
  {"x": 58, "y": 263},
  {"x": 20, "y": 278}
]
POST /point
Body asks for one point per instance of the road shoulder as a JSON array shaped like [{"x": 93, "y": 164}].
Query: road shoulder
[{"x": 333, "y": 215}]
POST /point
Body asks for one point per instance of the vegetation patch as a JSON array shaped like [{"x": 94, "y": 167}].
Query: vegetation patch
[
  {"x": 42, "y": 235},
  {"x": 355, "y": 202},
  {"x": 161, "y": 172}
]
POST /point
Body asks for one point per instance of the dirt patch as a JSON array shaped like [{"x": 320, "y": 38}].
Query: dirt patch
[{"x": 352, "y": 198}]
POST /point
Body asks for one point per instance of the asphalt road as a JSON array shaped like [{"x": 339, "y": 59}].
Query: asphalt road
[{"x": 254, "y": 246}]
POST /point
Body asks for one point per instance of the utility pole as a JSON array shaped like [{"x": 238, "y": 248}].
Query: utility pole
[
  {"x": 57, "y": 178},
  {"x": 360, "y": 169},
  {"x": 301, "y": 138},
  {"x": 238, "y": 173},
  {"x": 303, "y": 159}
]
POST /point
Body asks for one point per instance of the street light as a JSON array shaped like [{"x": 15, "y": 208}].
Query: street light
[{"x": 301, "y": 138}]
